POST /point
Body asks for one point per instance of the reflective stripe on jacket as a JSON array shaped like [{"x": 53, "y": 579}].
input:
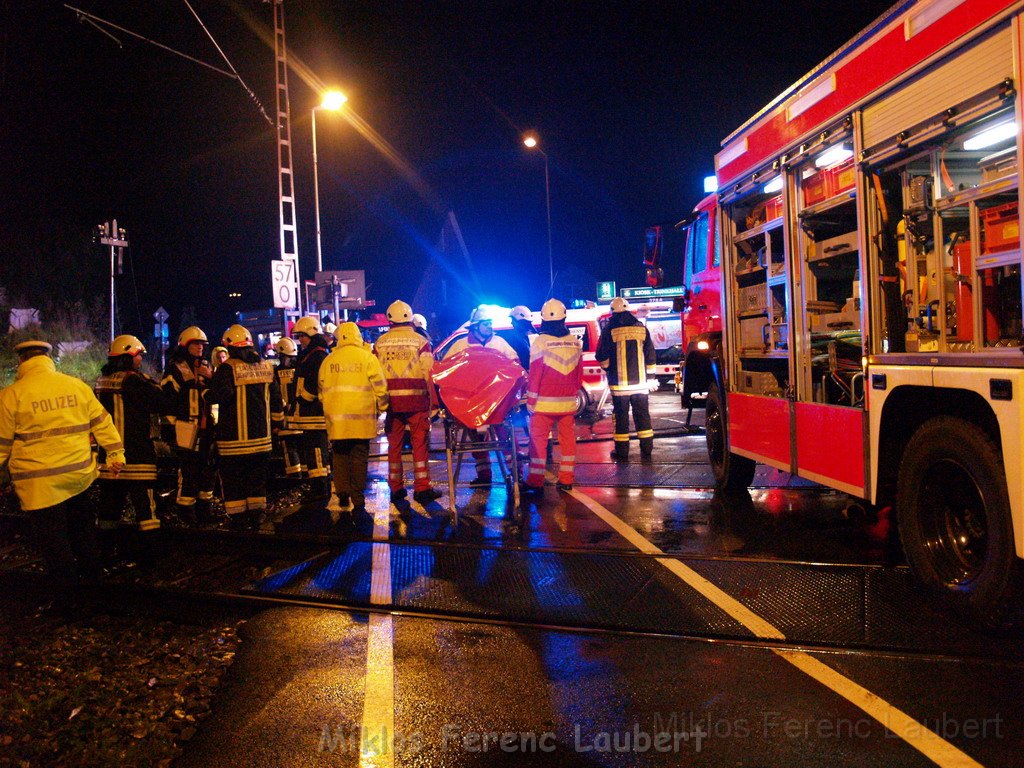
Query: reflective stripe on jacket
[
  {"x": 308, "y": 412},
  {"x": 406, "y": 362},
  {"x": 46, "y": 418},
  {"x": 556, "y": 374},
  {"x": 132, "y": 399},
  {"x": 625, "y": 349},
  {"x": 247, "y": 393},
  {"x": 353, "y": 392},
  {"x": 286, "y": 383}
]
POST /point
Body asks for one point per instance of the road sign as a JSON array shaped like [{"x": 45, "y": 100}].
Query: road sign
[
  {"x": 652, "y": 293},
  {"x": 606, "y": 290},
  {"x": 283, "y": 276},
  {"x": 161, "y": 315}
]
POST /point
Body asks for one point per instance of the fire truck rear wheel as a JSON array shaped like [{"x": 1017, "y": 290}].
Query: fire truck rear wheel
[
  {"x": 733, "y": 473},
  {"x": 954, "y": 520}
]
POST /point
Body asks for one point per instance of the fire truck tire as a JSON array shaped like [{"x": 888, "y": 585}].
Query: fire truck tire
[
  {"x": 582, "y": 402},
  {"x": 733, "y": 473},
  {"x": 954, "y": 521}
]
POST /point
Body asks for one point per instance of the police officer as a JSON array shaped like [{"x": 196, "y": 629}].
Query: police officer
[
  {"x": 406, "y": 362},
  {"x": 46, "y": 419},
  {"x": 353, "y": 392},
  {"x": 133, "y": 400},
  {"x": 284, "y": 374},
  {"x": 522, "y": 333},
  {"x": 626, "y": 351},
  {"x": 246, "y": 392},
  {"x": 307, "y": 412},
  {"x": 184, "y": 384}
]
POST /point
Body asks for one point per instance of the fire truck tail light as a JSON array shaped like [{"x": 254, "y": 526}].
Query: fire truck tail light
[{"x": 703, "y": 346}]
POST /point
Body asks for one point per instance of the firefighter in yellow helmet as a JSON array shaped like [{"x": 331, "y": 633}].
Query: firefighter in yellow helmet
[
  {"x": 284, "y": 374},
  {"x": 218, "y": 355},
  {"x": 246, "y": 392},
  {"x": 184, "y": 384},
  {"x": 46, "y": 420},
  {"x": 406, "y": 359},
  {"x": 133, "y": 401},
  {"x": 353, "y": 392}
]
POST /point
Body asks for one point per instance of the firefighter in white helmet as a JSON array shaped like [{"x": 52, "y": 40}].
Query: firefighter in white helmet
[
  {"x": 284, "y": 374},
  {"x": 626, "y": 351},
  {"x": 308, "y": 412},
  {"x": 47, "y": 420},
  {"x": 556, "y": 375},
  {"x": 419, "y": 324},
  {"x": 133, "y": 400},
  {"x": 406, "y": 360},
  {"x": 246, "y": 392},
  {"x": 184, "y": 385},
  {"x": 330, "y": 330},
  {"x": 522, "y": 333}
]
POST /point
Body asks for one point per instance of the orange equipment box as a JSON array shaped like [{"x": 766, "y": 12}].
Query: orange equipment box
[{"x": 1002, "y": 227}]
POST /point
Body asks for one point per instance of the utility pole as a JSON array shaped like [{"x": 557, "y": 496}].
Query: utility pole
[{"x": 109, "y": 234}]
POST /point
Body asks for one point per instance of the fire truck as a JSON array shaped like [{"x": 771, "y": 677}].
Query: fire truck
[{"x": 868, "y": 224}]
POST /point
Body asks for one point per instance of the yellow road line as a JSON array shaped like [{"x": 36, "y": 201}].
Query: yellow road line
[
  {"x": 377, "y": 750},
  {"x": 919, "y": 736}
]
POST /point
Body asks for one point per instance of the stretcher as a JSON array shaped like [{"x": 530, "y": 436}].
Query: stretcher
[{"x": 479, "y": 390}]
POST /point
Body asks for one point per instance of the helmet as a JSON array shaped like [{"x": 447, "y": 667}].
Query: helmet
[
  {"x": 399, "y": 312},
  {"x": 481, "y": 314},
  {"x": 286, "y": 346},
  {"x": 330, "y": 328},
  {"x": 190, "y": 334},
  {"x": 521, "y": 312},
  {"x": 419, "y": 321},
  {"x": 553, "y": 309},
  {"x": 307, "y": 325},
  {"x": 126, "y": 345},
  {"x": 348, "y": 333},
  {"x": 28, "y": 346},
  {"x": 237, "y": 336},
  {"x": 619, "y": 304}
]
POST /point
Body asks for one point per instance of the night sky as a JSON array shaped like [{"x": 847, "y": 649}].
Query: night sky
[{"x": 630, "y": 100}]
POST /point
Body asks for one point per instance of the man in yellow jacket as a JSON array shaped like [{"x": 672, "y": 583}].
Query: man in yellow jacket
[
  {"x": 46, "y": 418},
  {"x": 353, "y": 392}
]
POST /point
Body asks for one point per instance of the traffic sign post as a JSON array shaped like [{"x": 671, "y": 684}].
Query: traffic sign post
[
  {"x": 283, "y": 277},
  {"x": 160, "y": 334},
  {"x": 606, "y": 290}
]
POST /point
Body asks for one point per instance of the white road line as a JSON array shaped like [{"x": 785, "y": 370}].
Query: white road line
[
  {"x": 919, "y": 736},
  {"x": 378, "y": 726}
]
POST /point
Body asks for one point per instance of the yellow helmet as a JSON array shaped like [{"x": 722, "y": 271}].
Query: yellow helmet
[
  {"x": 521, "y": 312},
  {"x": 126, "y": 344},
  {"x": 481, "y": 314},
  {"x": 286, "y": 346},
  {"x": 399, "y": 312},
  {"x": 553, "y": 309},
  {"x": 419, "y": 321},
  {"x": 619, "y": 304},
  {"x": 237, "y": 336},
  {"x": 307, "y": 325},
  {"x": 190, "y": 334}
]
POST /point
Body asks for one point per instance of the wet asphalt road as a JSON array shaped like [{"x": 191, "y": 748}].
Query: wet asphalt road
[{"x": 638, "y": 621}]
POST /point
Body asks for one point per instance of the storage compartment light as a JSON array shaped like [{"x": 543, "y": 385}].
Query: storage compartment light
[
  {"x": 993, "y": 135},
  {"x": 775, "y": 185},
  {"x": 833, "y": 156}
]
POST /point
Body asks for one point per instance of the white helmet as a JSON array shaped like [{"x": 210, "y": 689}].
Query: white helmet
[
  {"x": 481, "y": 314},
  {"x": 330, "y": 328},
  {"x": 307, "y": 325},
  {"x": 286, "y": 346},
  {"x": 521, "y": 312},
  {"x": 399, "y": 312},
  {"x": 553, "y": 309},
  {"x": 619, "y": 304},
  {"x": 419, "y": 321}
]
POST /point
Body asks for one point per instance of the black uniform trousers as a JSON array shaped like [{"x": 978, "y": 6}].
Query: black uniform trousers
[
  {"x": 350, "y": 460},
  {"x": 621, "y": 405},
  {"x": 114, "y": 494},
  {"x": 197, "y": 475},
  {"x": 244, "y": 478},
  {"x": 313, "y": 448},
  {"x": 66, "y": 536}
]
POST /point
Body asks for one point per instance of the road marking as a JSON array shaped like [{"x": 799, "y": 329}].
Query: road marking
[
  {"x": 917, "y": 735},
  {"x": 378, "y": 726}
]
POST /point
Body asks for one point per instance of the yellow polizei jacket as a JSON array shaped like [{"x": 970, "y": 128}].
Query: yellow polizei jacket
[
  {"x": 352, "y": 388},
  {"x": 46, "y": 418}
]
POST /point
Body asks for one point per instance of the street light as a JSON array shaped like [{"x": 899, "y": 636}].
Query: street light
[
  {"x": 530, "y": 141},
  {"x": 332, "y": 100}
]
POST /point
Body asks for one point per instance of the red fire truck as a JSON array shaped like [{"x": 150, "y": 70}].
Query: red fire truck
[{"x": 871, "y": 253}]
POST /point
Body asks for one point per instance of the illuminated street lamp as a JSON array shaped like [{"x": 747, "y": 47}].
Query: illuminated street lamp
[
  {"x": 530, "y": 141},
  {"x": 332, "y": 100}
]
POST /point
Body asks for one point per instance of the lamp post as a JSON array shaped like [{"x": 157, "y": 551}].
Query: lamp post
[
  {"x": 530, "y": 141},
  {"x": 332, "y": 100}
]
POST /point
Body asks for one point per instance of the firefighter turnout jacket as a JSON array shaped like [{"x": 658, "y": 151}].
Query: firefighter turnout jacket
[
  {"x": 406, "y": 362},
  {"x": 46, "y": 418},
  {"x": 184, "y": 389},
  {"x": 307, "y": 411},
  {"x": 626, "y": 351},
  {"x": 245, "y": 389},
  {"x": 556, "y": 373},
  {"x": 352, "y": 389},
  {"x": 285, "y": 378},
  {"x": 132, "y": 399}
]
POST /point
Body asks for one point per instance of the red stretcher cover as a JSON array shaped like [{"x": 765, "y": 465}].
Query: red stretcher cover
[{"x": 479, "y": 386}]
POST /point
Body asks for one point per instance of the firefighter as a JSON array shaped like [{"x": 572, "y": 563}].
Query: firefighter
[
  {"x": 218, "y": 355},
  {"x": 419, "y": 324},
  {"x": 626, "y": 351},
  {"x": 556, "y": 374},
  {"x": 481, "y": 333},
  {"x": 307, "y": 412},
  {"x": 133, "y": 400},
  {"x": 353, "y": 392},
  {"x": 284, "y": 375},
  {"x": 406, "y": 360},
  {"x": 522, "y": 333},
  {"x": 184, "y": 385},
  {"x": 46, "y": 421},
  {"x": 330, "y": 331},
  {"x": 245, "y": 389}
]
